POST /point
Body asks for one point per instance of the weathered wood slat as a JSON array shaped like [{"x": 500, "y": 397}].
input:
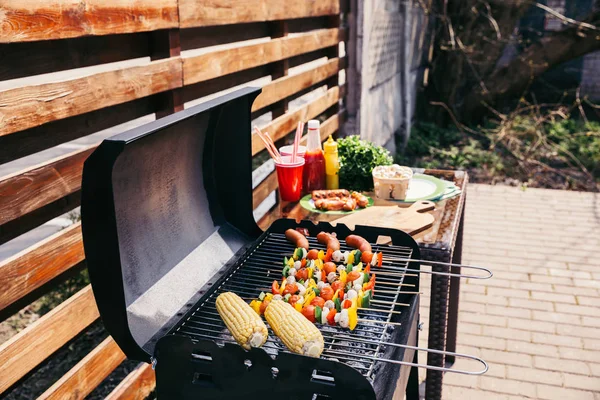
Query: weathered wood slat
[
  {"x": 287, "y": 86},
  {"x": 88, "y": 373},
  {"x": 39, "y": 264},
  {"x": 25, "y": 107},
  {"x": 136, "y": 386},
  {"x": 283, "y": 125},
  {"x": 223, "y": 62},
  {"x": 26, "y": 191},
  {"x": 61, "y": 19},
  {"x": 34, "y": 344},
  {"x": 219, "y": 12},
  {"x": 264, "y": 189}
]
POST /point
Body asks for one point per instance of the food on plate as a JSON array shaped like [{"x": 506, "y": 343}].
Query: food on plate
[
  {"x": 333, "y": 204},
  {"x": 297, "y": 238},
  {"x": 361, "y": 200},
  {"x": 295, "y": 331},
  {"x": 391, "y": 181},
  {"x": 358, "y": 242},
  {"x": 328, "y": 194},
  {"x": 329, "y": 240},
  {"x": 246, "y": 327}
]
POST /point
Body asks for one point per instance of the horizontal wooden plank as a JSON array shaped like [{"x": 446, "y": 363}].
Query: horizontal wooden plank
[
  {"x": 204, "y": 36},
  {"x": 24, "y": 351},
  {"x": 264, "y": 189},
  {"x": 39, "y": 264},
  {"x": 283, "y": 125},
  {"x": 136, "y": 386},
  {"x": 25, "y": 107},
  {"x": 34, "y": 58},
  {"x": 219, "y": 12},
  {"x": 88, "y": 373},
  {"x": 42, "y": 137},
  {"x": 284, "y": 87},
  {"x": 223, "y": 62},
  {"x": 61, "y": 19},
  {"x": 38, "y": 186}
]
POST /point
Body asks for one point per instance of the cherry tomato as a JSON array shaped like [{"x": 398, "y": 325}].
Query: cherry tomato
[
  {"x": 302, "y": 274},
  {"x": 290, "y": 288},
  {"x": 293, "y": 299},
  {"x": 352, "y": 276},
  {"x": 327, "y": 293},
  {"x": 309, "y": 312},
  {"x": 275, "y": 287},
  {"x": 312, "y": 254},
  {"x": 331, "y": 316},
  {"x": 337, "y": 285},
  {"x": 366, "y": 257},
  {"x": 263, "y": 306},
  {"x": 318, "y": 301},
  {"x": 329, "y": 267}
]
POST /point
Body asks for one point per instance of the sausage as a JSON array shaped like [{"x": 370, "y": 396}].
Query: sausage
[
  {"x": 361, "y": 199},
  {"x": 328, "y": 240},
  {"x": 298, "y": 239},
  {"x": 329, "y": 204},
  {"x": 329, "y": 194},
  {"x": 358, "y": 242},
  {"x": 350, "y": 204}
]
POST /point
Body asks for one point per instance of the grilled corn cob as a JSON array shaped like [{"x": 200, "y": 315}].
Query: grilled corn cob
[
  {"x": 294, "y": 330},
  {"x": 246, "y": 326}
]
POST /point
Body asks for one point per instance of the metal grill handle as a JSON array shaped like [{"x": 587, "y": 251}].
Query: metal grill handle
[
  {"x": 430, "y": 263},
  {"x": 442, "y": 352}
]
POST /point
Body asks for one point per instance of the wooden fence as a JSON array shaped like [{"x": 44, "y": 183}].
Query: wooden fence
[{"x": 69, "y": 69}]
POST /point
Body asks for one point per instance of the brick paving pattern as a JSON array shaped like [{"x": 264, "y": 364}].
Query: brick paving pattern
[{"x": 537, "y": 321}]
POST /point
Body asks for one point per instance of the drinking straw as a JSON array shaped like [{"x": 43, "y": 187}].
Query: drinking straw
[
  {"x": 269, "y": 145},
  {"x": 299, "y": 130}
]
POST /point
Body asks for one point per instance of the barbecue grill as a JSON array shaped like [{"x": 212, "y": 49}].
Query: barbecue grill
[{"x": 168, "y": 226}]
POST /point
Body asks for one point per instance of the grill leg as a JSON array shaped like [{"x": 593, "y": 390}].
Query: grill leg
[
  {"x": 412, "y": 388},
  {"x": 455, "y": 292},
  {"x": 437, "y": 332}
]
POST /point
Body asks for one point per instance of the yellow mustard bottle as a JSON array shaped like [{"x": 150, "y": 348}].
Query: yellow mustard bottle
[{"x": 332, "y": 164}]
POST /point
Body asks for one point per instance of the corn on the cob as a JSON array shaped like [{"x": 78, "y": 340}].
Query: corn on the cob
[
  {"x": 294, "y": 330},
  {"x": 246, "y": 326}
]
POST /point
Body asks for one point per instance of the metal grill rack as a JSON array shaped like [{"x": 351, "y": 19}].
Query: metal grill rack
[{"x": 360, "y": 348}]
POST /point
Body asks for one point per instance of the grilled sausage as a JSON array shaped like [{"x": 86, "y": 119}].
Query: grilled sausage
[
  {"x": 298, "y": 239},
  {"x": 358, "y": 242},
  {"x": 334, "y": 204},
  {"x": 328, "y": 240},
  {"x": 329, "y": 194},
  {"x": 361, "y": 199},
  {"x": 350, "y": 204}
]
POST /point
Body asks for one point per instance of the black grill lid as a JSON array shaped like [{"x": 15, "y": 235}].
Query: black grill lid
[{"x": 164, "y": 206}]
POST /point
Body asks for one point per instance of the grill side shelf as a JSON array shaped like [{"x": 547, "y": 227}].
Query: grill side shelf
[{"x": 188, "y": 370}]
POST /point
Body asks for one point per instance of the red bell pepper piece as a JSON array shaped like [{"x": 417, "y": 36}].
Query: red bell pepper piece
[
  {"x": 331, "y": 317},
  {"x": 328, "y": 255},
  {"x": 275, "y": 287},
  {"x": 379, "y": 259}
]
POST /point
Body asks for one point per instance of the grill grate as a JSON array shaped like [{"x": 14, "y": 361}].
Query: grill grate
[{"x": 359, "y": 349}]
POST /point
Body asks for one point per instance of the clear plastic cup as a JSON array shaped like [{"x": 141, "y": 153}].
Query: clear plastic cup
[
  {"x": 289, "y": 178},
  {"x": 287, "y": 150}
]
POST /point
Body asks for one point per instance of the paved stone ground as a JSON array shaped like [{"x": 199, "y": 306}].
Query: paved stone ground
[{"x": 537, "y": 321}]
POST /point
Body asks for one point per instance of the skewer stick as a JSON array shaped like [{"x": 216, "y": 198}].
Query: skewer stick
[
  {"x": 394, "y": 284},
  {"x": 372, "y": 272},
  {"x": 379, "y": 322},
  {"x": 391, "y": 303},
  {"x": 378, "y": 310}
]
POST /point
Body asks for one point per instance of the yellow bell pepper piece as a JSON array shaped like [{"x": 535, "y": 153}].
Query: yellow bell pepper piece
[
  {"x": 350, "y": 258},
  {"x": 321, "y": 255},
  {"x": 352, "y": 318},
  {"x": 359, "y": 298},
  {"x": 291, "y": 262},
  {"x": 310, "y": 295},
  {"x": 343, "y": 277},
  {"x": 359, "y": 267},
  {"x": 298, "y": 307},
  {"x": 282, "y": 287},
  {"x": 255, "y": 305},
  {"x": 311, "y": 284},
  {"x": 319, "y": 263},
  {"x": 336, "y": 295},
  {"x": 269, "y": 296},
  {"x": 310, "y": 272}
]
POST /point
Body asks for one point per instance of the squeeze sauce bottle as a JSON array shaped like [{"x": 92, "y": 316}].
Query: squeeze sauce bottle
[
  {"x": 332, "y": 164},
  {"x": 314, "y": 162}
]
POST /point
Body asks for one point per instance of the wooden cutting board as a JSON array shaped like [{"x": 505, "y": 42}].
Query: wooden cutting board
[{"x": 411, "y": 220}]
